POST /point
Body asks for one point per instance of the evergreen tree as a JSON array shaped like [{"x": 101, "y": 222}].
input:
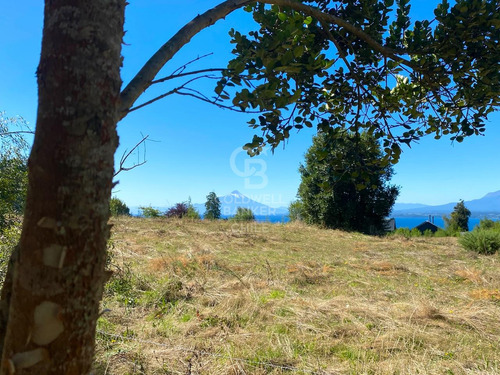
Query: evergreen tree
[
  {"x": 459, "y": 218},
  {"x": 212, "y": 206},
  {"x": 345, "y": 183}
]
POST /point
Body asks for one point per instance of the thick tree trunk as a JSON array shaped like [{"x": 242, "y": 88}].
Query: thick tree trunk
[{"x": 51, "y": 300}]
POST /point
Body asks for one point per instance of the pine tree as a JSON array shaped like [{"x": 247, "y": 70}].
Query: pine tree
[{"x": 212, "y": 206}]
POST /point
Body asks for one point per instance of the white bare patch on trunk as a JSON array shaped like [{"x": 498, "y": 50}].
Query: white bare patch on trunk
[
  {"x": 47, "y": 222},
  {"x": 53, "y": 256},
  {"x": 48, "y": 325},
  {"x": 27, "y": 359}
]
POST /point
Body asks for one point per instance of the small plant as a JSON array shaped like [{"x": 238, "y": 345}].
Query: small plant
[
  {"x": 295, "y": 210},
  {"x": 481, "y": 241},
  {"x": 149, "y": 212},
  {"x": 415, "y": 233},
  {"x": 428, "y": 233},
  {"x": 192, "y": 213},
  {"x": 244, "y": 214},
  {"x": 403, "y": 232},
  {"x": 441, "y": 233},
  {"x": 118, "y": 207}
]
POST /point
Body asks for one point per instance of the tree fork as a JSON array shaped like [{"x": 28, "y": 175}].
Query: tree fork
[
  {"x": 56, "y": 284},
  {"x": 144, "y": 78}
]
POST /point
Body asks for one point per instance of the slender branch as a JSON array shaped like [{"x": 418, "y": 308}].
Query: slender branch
[
  {"x": 183, "y": 67},
  {"x": 146, "y": 75},
  {"x": 17, "y": 132},
  {"x": 126, "y": 155},
  {"x": 148, "y": 72},
  {"x": 168, "y": 93},
  {"x": 200, "y": 96},
  {"x": 174, "y": 76}
]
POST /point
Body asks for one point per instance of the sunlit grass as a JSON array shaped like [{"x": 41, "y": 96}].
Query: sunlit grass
[{"x": 194, "y": 297}]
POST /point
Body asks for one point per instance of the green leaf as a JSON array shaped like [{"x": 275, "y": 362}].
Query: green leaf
[{"x": 298, "y": 51}]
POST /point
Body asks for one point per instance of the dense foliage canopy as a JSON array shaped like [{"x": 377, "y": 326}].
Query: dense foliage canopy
[
  {"x": 344, "y": 184},
  {"x": 366, "y": 65}
]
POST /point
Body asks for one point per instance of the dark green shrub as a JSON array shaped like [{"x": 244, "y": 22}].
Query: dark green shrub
[
  {"x": 345, "y": 183},
  {"x": 481, "y": 241}
]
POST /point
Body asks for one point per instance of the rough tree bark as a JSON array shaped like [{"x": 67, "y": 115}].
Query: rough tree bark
[{"x": 51, "y": 298}]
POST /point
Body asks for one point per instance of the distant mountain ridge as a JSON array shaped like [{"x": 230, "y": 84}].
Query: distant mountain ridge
[
  {"x": 408, "y": 206},
  {"x": 487, "y": 206}
]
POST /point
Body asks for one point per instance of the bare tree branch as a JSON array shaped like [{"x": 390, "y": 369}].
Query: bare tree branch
[
  {"x": 174, "y": 76},
  {"x": 126, "y": 155},
  {"x": 168, "y": 93},
  {"x": 184, "y": 66},
  {"x": 198, "y": 95},
  {"x": 148, "y": 72},
  {"x": 17, "y": 132}
]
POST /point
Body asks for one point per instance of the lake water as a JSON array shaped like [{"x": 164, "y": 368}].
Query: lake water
[
  {"x": 412, "y": 222},
  {"x": 401, "y": 222}
]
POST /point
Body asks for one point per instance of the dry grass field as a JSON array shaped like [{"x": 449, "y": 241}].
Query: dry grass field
[{"x": 226, "y": 298}]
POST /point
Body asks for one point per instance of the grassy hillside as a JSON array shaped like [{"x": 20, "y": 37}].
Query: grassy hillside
[{"x": 225, "y": 298}]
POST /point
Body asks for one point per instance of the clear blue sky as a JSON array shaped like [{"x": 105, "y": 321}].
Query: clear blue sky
[{"x": 196, "y": 142}]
